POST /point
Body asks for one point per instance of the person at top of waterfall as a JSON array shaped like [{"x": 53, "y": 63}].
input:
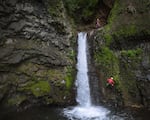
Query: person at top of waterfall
[
  {"x": 97, "y": 23},
  {"x": 110, "y": 82}
]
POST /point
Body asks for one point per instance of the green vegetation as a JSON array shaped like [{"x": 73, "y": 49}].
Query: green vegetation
[
  {"x": 122, "y": 32},
  {"x": 38, "y": 83},
  {"x": 130, "y": 62},
  {"x": 126, "y": 31},
  {"x": 122, "y": 24},
  {"x": 69, "y": 78},
  {"x": 121, "y": 67},
  {"x": 38, "y": 89},
  {"x": 114, "y": 56},
  {"x": 114, "y": 13},
  {"x": 52, "y": 85},
  {"x": 55, "y": 75},
  {"x": 41, "y": 88},
  {"x": 108, "y": 38},
  {"x": 105, "y": 57},
  {"x": 16, "y": 100},
  {"x": 131, "y": 58},
  {"x": 108, "y": 64},
  {"x": 107, "y": 32},
  {"x": 131, "y": 53},
  {"x": 55, "y": 8},
  {"x": 81, "y": 10},
  {"x": 72, "y": 55}
]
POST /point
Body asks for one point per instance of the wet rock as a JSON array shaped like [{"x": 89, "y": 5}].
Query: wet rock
[
  {"x": 12, "y": 2},
  {"x": 109, "y": 3},
  {"x": 148, "y": 77},
  {"x": 1, "y": 8},
  {"x": 145, "y": 62},
  {"x": 17, "y": 26},
  {"x": 33, "y": 43}
]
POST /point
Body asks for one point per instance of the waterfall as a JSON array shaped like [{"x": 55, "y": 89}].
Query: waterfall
[
  {"x": 82, "y": 82},
  {"x": 84, "y": 110}
]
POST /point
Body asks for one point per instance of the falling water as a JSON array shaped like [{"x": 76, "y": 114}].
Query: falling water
[
  {"x": 84, "y": 110},
  {"x": 82, "y": 82}
]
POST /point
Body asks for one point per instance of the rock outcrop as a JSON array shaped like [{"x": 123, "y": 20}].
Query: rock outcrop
[
  {"x": 121, "y": 49},
  {"x": 109, "y": 3},
  {"x": 36, "y": 53}
]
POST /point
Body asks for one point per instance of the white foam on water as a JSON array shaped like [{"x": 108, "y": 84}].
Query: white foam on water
[{"x": 87, "y": 113}]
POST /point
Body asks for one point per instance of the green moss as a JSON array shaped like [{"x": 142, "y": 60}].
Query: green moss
[
  {"x": 104, "y": 57},
  {"x": 114, "y": 12},
  {"x": 55, "y": 8},
  {"x": 55, "y": 74},
  {"x": 131, "y": 58},
  {"x": 108, "y": 38},
  {"x": 122, "y": 65},
  {"x": 28, "y": 69},
  {"x": 71, "y": 54},
  {"x": 122, "y": 25},
  {"x": 17, "y": 100},
  {"x": 111, "y": 19},
  {"x": 122, "y": 32},
  {"x": 125, "y": 31},
  {"x": 131, "y": 53},
  {"x": 108, "y": 64},
  {"x": 38, "y": 89},
  {"x": 69, "y": 78},
  {"x": 41, "y": 88},
  {"x": 130, "y": 61}
]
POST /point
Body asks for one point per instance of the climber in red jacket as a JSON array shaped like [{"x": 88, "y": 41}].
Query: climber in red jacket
[{"x": 110, "y": 82}]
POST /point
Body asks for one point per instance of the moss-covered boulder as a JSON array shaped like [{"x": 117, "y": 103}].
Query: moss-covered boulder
[{"x": 38, "y": 89}]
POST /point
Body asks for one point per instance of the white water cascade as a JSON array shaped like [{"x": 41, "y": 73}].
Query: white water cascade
[
  {"x": 82, "y": 82},
  {"x": 84, "y": 110}
]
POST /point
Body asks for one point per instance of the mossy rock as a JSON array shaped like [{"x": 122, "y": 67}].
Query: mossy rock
[
  {"x": 55, "y": 8},
  {"x": 108, "y": 63},
  {"x": 28, "y": 68},
  {"x": 38, "y": 89},
  {"x": 122, "y": 25},
  {"x": 128, "y": 80},
  {"x": 16, "y": 100},
  {"x": 118, "y": 51},
  {"x": 70, "y": 76},
  {"x": 62, "y": 77}
]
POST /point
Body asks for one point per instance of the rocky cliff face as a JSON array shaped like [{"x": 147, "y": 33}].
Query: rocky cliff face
[
  {"x": 37, "y": 58},
  {"x": 121, "y": 49},
  {"x": 36, "y": 52}
]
